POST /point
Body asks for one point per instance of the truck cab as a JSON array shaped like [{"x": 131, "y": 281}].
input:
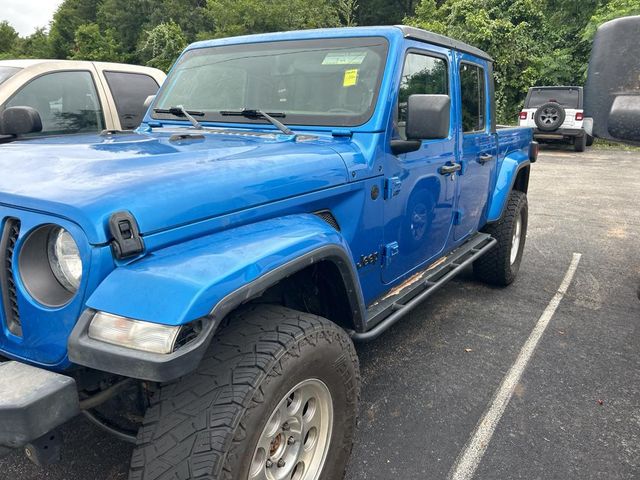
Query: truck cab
[
  {"x": 75, "y": 96},
  {"x": 286, "y": 195}
]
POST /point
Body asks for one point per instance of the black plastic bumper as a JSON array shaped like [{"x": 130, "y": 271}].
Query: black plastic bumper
[
  {"x": 33, "y": 402},
  {"x": 560, "y": 134}
]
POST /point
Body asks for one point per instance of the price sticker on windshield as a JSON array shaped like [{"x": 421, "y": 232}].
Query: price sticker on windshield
[{"x": 350, "y": 78}]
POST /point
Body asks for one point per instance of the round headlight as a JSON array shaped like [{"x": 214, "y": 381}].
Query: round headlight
[
  {"x": 50, "y": 265},
  {"x": 64, "y": 259}
]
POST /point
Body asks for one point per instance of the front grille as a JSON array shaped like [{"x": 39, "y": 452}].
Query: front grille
[{"x": 8, "y": 241}]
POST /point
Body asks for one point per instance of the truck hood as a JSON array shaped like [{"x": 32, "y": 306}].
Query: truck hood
[{"x": 162, "y": 181}]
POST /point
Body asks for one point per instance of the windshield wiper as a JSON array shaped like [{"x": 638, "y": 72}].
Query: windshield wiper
[
  {"x": 180, "y": 111},
  {"x": 253, "y": 114}
]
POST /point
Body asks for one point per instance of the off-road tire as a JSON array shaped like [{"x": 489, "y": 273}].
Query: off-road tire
[
  {"x": 580, "y": 143},
  {"x": 206, "y": 425},
  {"x": 495, "y": 266}
]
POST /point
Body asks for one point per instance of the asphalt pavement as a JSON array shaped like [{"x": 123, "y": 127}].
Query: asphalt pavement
[{"x": 427, "y": 382}]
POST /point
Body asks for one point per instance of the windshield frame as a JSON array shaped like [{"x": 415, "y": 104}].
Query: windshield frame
[{"x": 309, "y": 120}]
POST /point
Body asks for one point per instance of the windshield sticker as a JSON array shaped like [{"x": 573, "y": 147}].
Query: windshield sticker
[
  {"x": 344, "y": 58},
  {"x": 350, "y": 78}
]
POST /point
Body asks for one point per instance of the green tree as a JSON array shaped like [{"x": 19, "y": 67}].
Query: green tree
[
  {"x": 162, "y": 45},
  {"x": 66, "y": 20},
  {"x": 35, "y": 45},
  {"x": 93, "y": 45},
  {"x": 512, "y": 32},
  {"x": 239, "y": 17},
  {"x": 8, "y": 37},
  {"x": 609, "y": 11},
  {"x": 347, "y": 11},
  {"x": 126, "y": 20}
]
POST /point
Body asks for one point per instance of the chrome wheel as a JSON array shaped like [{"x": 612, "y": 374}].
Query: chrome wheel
[
  {"x": 295, "y": 441},
  {"x": 515, "y": 239}
]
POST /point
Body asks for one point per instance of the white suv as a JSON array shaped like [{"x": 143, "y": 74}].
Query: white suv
[{"x": 556, "y": 115}]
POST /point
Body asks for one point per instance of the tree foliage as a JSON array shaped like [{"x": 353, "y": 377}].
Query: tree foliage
[
  {"x": 162, "y": 45},
  {"x": 534, "y": 42}
]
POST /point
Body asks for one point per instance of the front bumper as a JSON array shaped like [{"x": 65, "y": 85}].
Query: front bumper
[
  {"x": 560, "y": 134},
  {"x": 33, "y": 402}
]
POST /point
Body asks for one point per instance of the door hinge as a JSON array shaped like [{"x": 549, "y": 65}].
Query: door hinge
[
  {"x": 392, "y": 187},
  {"x": 389, "y": 251},
  {"x": 127, "y": 241}
]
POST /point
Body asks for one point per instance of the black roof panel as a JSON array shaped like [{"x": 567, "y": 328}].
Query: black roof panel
[{"x": 437, "y": 39}]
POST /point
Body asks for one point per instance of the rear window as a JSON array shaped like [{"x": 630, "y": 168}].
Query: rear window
[
  {"x": 567, "y": 97},
  {"x": 7, "y": 72},
  {"x": 130, "y": 90}
]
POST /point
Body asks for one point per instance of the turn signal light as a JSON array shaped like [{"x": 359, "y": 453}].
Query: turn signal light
[
  {"x": 136, "y": 334},
  {"x": 523, "y": 115},
  {"x": 579, "y": 116}
]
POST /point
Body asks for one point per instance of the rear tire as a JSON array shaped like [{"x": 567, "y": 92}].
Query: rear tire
[
  {"x": 580, "y": 143},
  {"x": 501, "y": 264},
  {"x": 272, "y": 375}
]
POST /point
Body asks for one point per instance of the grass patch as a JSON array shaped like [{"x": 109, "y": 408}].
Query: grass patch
[{"x": 600, "y": 144}]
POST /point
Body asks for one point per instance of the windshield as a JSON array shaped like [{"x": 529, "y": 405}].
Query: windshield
[
  {"x": 331, "y": 82},
  {"x": 567, "y": 97},
  {"x": 8, "y": 72}
]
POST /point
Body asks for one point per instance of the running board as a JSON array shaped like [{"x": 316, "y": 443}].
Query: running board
[{"x": 404, "y": 298}]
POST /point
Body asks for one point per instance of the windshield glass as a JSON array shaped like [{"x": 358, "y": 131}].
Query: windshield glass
[
  {"x": 331, "y": 82},
  {"x": 8, "y": 72},
  {"x": 567, "y": 97}
]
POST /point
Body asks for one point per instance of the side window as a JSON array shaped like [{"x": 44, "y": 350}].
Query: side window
[
  {"x": 66, "y": 101},
  {"x": 473, "y": 98},
  {"x": 421, "y": 75},
  {"x": 129, "y": 91}
]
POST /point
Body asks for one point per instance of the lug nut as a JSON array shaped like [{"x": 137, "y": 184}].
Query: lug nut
[
  {"x": 285, "y": 426},
  {"x": 291, "y": 441},
  {"x": 269, "y": 464},
  {"x": 281, "y": 463}
]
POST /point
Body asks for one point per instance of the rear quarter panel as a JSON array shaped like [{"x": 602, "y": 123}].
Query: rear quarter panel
[{"x": 513, "y": 155}]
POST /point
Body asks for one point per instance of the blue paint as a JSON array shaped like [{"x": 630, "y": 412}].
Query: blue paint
[{"x": 218, "y": 212}]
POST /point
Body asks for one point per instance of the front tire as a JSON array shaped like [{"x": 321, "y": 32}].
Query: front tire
[
  {"x": 276, "y": 396},
  {"x": 501, "y": 264}
]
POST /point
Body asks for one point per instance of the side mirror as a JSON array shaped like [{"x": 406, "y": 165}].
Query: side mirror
[
  {"x": 148, "y": 101},
  {"x": 428, "y": 118},
  {"x": 612, "y": 90},
  {"x": 20, "y": 121}
]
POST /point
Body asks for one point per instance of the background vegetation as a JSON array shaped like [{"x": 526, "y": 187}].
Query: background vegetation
[{"x": 534, "y": 42}]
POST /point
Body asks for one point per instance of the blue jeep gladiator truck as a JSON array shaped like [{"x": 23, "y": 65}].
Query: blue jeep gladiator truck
[{"x": 196, "y": 286}]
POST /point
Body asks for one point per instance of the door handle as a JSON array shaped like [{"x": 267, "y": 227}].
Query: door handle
[
  {"x": 448, "y": 169},
  {"x": 484, "y": 158}
]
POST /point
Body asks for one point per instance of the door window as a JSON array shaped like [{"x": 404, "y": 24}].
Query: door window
[
  {"x": 66, "y": 101},
  {"x": 421, "y": 74},
  {"x": 473, "y": 98},
  {"x": 129, "y": 91}
]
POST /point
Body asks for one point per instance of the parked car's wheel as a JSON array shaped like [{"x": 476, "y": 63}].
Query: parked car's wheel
[
  {"x": 580, "y": 143},
  {"x": 275, "y": 397},
  {"x": 549, "y": 117},
  {"x": 501, "y": 264},
  {"x": 589, "y": 140}
]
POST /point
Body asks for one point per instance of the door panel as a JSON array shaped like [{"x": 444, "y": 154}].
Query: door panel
[
  {"x": 478, "y": 148},
  {"x": 418, "y": 215}
]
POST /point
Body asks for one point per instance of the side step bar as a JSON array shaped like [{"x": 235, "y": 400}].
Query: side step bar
[{"x": 401, "y": 300}]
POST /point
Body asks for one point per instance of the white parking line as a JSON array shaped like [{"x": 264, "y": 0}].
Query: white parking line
[{"x": 471, "y": 455}]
